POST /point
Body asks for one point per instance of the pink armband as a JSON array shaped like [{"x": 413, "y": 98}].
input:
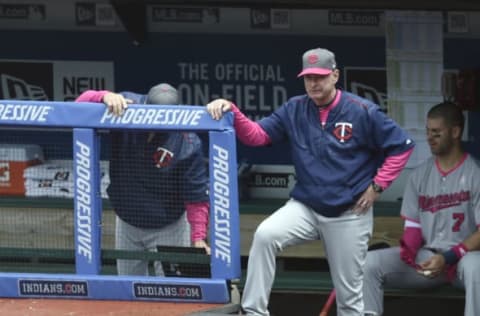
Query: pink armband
[{"x": 452, "y": 256}]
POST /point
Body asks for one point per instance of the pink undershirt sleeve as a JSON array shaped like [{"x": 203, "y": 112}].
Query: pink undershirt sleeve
[
  {"x": 391, "y": 168},
  {"x": 249, "y": 132},
  {"x": 197, "y": 216},
  {"x": 92, "y": 96}
]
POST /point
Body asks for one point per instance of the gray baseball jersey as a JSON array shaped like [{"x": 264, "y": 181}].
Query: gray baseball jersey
[{"x": 446, "y": 204}]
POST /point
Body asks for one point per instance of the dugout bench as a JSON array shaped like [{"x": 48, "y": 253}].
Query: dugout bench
[
  {"x": 303, "y": 268},
  {"x": 300, "y": 269},
  {"x": 56, "y": 213}
]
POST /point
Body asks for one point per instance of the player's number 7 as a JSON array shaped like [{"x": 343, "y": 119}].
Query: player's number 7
[{"x": 458, "y": 218}]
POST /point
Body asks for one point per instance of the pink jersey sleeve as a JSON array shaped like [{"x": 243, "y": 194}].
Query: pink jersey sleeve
[
  {"x": 197, "y": 216},
  {"x": 249, "y": 132},
  {"x": 391, "y": 169},
  {"x": 92, "y": 96}
]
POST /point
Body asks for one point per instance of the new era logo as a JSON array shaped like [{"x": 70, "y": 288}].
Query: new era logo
[{"x": 18, "y": 89}]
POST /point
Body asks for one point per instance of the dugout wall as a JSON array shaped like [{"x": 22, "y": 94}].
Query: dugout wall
[{"x": 86, "y": 120}]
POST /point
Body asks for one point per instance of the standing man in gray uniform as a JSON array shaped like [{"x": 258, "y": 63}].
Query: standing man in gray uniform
[
  {"x": 441, "y": 208},
  {"x": 345, "y": 151}
]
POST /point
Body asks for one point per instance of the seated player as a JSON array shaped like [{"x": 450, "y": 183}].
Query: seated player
[{"x": 441, "y": 208}]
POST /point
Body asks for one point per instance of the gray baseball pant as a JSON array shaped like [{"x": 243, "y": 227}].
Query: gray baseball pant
[
  {"x": 345, "y": 240},
  {"x": 128, "y": 237},
  {"x": 385, "y": 269}
]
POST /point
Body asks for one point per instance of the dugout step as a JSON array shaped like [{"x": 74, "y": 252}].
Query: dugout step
[{"x": 190, "y": 262}]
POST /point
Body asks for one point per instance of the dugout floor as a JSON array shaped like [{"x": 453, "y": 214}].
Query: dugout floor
[
  {"x": 282, "y": 304},
  {"x": 62, "y": 307}
]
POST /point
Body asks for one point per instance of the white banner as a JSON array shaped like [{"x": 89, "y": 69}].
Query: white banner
[{"x": 414, "y": 72}]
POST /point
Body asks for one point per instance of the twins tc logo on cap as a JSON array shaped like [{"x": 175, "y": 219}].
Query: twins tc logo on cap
[
  {"x": 312, "y": 59},
  {"x": 318, "y": 61}
]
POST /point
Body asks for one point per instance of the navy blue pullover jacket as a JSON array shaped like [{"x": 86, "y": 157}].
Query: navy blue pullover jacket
[{"x": 151, "y": 179}]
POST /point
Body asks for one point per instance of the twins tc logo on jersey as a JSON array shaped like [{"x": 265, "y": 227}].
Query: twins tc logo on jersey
[
  {"x": 162, "y": 157},
  {"x": 343, "y": 131}
]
